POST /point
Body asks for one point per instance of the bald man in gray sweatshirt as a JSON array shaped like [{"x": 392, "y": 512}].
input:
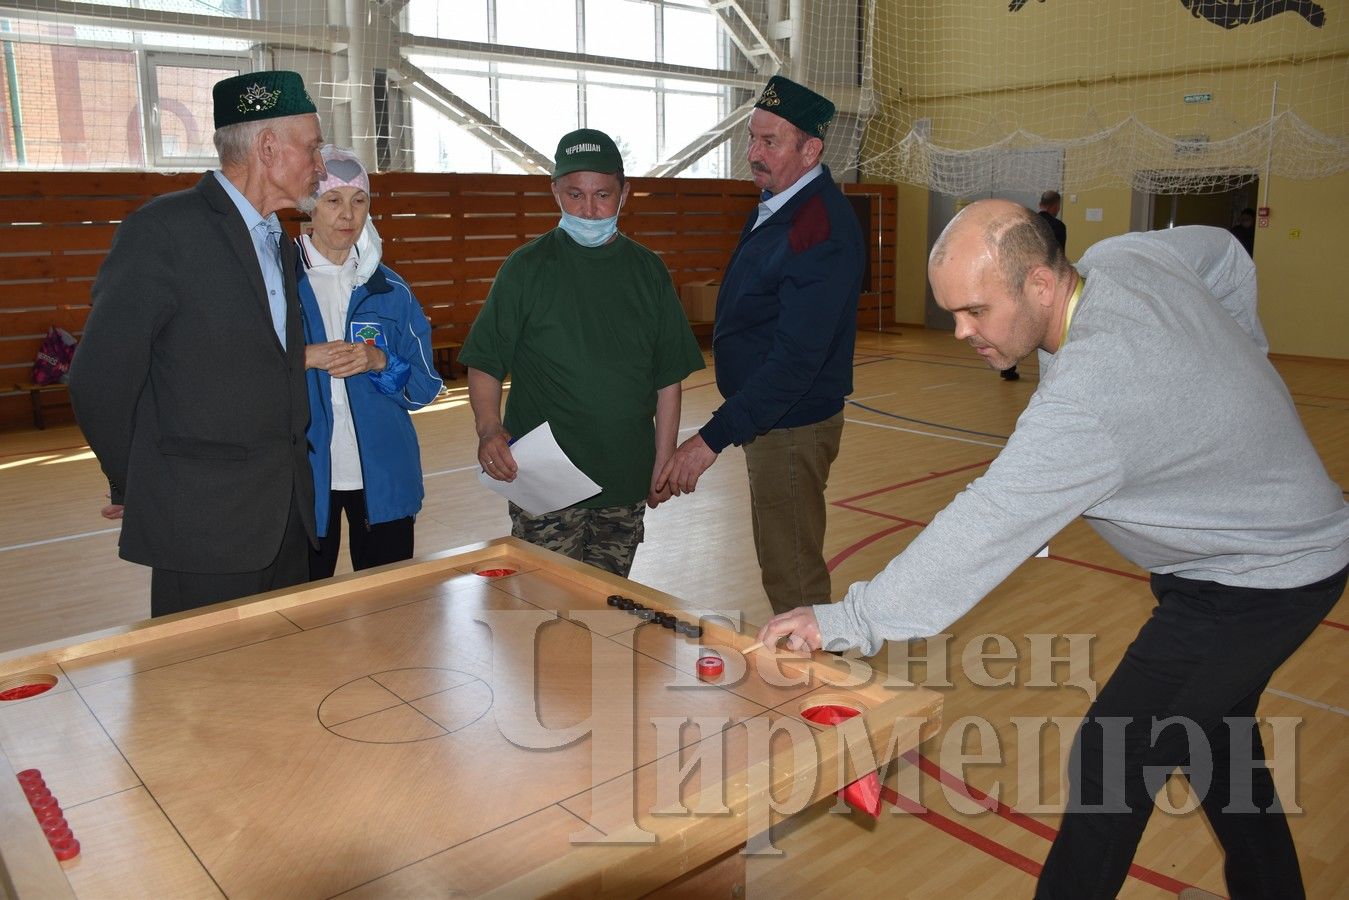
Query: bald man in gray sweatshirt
[{"x": 1160, "y": 421}]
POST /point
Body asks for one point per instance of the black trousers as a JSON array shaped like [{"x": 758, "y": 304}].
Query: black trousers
[
  {"x": 371, "y": 545},
  {"x": 173, "y": 591},
  {"x": 1185, "y": 695}
]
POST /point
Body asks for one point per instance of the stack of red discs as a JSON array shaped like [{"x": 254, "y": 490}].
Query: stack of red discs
[{"x": 49, "y": 815}]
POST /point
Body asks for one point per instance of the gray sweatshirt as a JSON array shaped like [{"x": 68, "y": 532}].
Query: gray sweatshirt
[{"x": 1161, "y": 422}]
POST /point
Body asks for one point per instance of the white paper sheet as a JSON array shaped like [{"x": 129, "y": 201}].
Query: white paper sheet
[{"x": 546, "y": 479}]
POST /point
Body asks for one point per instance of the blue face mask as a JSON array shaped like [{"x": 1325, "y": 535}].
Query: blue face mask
[{"x": 589, "y": 232}]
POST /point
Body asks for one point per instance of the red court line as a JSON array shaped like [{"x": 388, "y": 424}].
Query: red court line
[
  {"x": 1335, "y": 624},
  {"x": 1086, "y": 565},
  {"x": 932, "y": 770},
  {"x": 1039, "y": 829},
  {"x": 962, "y": 833},
  {"x": 871, "y": 539},
  {"x": 903, "y": 484},
  {"x": 875, "y": 512},
  {"x": 1317, "y": 396}
]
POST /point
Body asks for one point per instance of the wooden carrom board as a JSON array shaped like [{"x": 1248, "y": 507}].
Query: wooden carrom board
[{"x": 424, "y": 730}]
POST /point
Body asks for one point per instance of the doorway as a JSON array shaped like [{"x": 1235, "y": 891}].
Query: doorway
[{"x": 1221, "y": 209}]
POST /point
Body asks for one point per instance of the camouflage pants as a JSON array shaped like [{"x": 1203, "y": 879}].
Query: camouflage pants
[{"x": 606, "y": 538}]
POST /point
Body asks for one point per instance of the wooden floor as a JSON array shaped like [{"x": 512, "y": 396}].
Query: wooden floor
[{"x": 925, "y": 418}]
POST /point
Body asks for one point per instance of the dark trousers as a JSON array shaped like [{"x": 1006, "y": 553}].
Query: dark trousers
[
  {"x": 172, "y": 591},
  {"x": 1203, "y": 658},
  {"x": 371, "y": 545}
]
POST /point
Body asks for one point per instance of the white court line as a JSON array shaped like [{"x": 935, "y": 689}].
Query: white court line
[
  {"x": 870, "y": 397},
  {"x": 1317, "y": 703},
  {"x": 933, "y": 387},
  {"x": 57, "y": 540},
  {"x": 85, "y": 534},
  {"x": 945, "y": 437},
  {"x": 451, "y": 471}
]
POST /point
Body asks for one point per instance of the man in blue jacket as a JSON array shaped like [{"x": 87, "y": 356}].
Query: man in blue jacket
[{"x": 786, "y": 321}]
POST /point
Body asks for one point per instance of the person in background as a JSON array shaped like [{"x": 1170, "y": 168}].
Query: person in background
[
  {"x": 368, "y": 356},
  {"x": 189, "y": 383},
  {"x": 1050, "y": 205},
  {"x": 1244, "y": 231}
]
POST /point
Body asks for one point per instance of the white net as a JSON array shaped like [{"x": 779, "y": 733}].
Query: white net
[
  {"x": 1165, "y": 96},
  {"x": 425, "y": 85},
  {"x": 963, "y": 98}
]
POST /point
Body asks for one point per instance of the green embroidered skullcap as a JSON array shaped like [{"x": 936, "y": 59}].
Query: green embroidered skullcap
[
  {"x": 260, "y": 95},
  {"x": 587, "y": 150},
  {"x": 797, "y": 104}
]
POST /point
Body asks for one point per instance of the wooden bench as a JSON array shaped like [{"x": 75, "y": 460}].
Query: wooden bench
[
  {"x": 36, "y": 393},
  {"x": 442, "y": 355}
]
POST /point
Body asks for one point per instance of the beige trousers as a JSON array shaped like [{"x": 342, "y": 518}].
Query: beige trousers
[{"x": 788, "y": 471}]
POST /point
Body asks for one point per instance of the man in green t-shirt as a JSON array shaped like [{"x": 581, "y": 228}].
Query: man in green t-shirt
[{"x": 586, "y": 323}]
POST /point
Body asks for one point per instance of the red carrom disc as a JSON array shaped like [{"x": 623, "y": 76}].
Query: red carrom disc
[
  {"x": 42, "y": 801},
  {"x": 56, "y": 828},
  {"x": 710, "y": 667},
  {"x": 36, "y": 792},
  {"x": 494, "y": 573},
  {"x": 30, "y": 776},
  {"x": 67, "y": 848},
  {"x": 47, "y": 813}
]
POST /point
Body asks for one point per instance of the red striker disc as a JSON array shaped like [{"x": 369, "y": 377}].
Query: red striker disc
[{"x": 710, "y": 667}]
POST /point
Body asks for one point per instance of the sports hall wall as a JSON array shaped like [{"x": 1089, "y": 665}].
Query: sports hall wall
[{"x": 1044, "y": 77}]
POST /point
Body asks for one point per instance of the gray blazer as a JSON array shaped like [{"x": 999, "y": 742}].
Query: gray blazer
[{"x": 195, "y": 412}]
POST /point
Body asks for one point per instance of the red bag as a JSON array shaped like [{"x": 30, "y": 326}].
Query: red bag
[{"x": 53, "y": 357}]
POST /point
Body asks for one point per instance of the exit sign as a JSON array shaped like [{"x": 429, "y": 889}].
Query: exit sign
[{"x": 1198, "y": 98}]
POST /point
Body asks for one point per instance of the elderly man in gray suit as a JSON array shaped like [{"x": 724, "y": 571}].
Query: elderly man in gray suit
[{"x": 189, "y": 382}]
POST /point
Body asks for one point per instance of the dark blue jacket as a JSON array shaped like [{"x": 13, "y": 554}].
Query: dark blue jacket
[
  {"x": 391, "y": 465},
  {"x": 787, "y": 317}
]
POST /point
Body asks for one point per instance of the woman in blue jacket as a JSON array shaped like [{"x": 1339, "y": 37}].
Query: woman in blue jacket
[{"x": 368, "y": 361}]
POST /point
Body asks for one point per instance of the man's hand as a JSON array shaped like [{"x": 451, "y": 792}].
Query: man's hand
[
  {"x": 798, "y": 626},
  {"x": 654, "y": 497},
  {"x": 494, "y": 454},
  {"x": 111, "y": 511},
  {"x": 690, "y": 460},
  {"x": 342, "y": 359}
]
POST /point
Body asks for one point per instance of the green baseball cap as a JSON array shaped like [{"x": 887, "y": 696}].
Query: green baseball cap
[
  {"x": 260, "y": 95},
  {"x": 586, "y": 150},
  {"x": 797, "y": 104}
]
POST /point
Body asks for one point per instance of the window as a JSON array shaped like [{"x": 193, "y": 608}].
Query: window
[
  {"x": 650, "y": 117},
  {"x": 182, "y": 120},
  {"x": 91, "y": 96}
]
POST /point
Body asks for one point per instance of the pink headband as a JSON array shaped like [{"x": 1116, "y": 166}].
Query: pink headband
[{"x": 344, "y": 170}]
